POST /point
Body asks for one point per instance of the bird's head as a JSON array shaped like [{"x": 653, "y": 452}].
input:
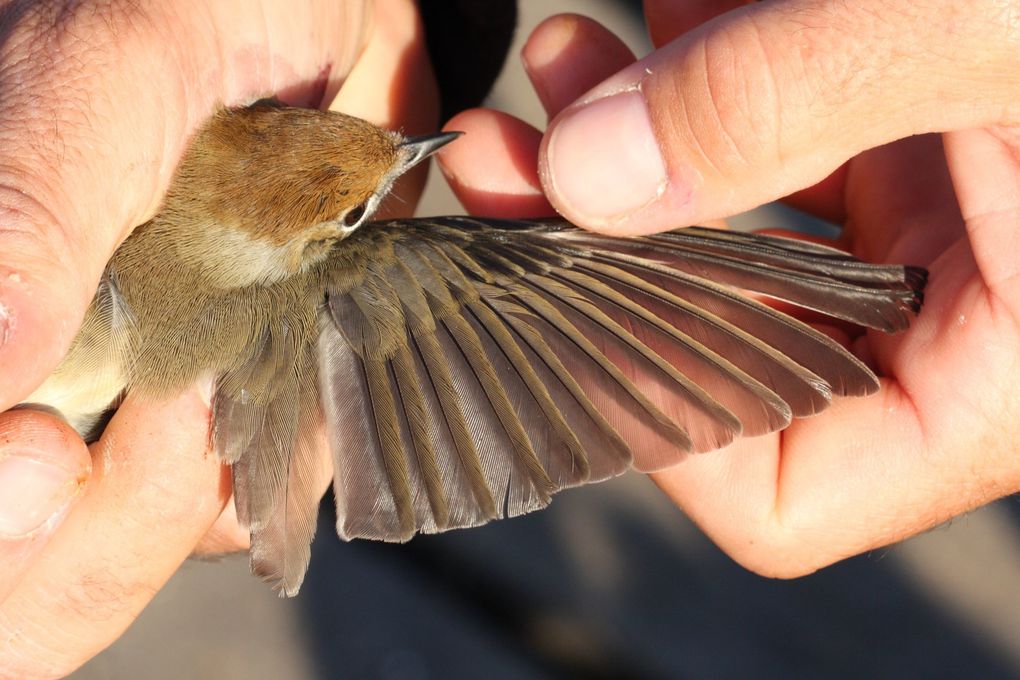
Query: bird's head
[{"x": 271, "y": 188}]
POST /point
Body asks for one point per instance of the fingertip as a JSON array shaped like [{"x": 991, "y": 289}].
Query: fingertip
[
  {"x": 44, "y": 466},
  {"x": 602, "y": 167},
  {"x": 568, "y": 54},
  {"x": 493, "y": 171}
]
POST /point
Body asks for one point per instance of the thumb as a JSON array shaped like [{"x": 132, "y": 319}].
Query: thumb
[
  {"x": 768, "y": 99},
  {"x": 85, "y": 152},
  {"x": 43, "y": 469}
]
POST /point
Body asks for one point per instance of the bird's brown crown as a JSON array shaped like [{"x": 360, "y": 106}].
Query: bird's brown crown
[{"x": 273, "y": 172}]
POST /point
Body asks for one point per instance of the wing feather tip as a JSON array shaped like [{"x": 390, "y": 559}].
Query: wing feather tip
[
  {"x": 349, "y": 533},
  {"x": 284, "y": 584}
]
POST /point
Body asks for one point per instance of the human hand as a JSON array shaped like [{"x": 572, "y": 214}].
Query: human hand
[
  {"x": 781, "y": 101},
  {"x": 99, "y": 102}
]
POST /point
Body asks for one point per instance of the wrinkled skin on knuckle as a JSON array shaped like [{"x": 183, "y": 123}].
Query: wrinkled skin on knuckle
[
  {"x": 715, "y": 105},
  {"x": 48, "y": 49},
  {"x": 21, "y": 214},
  {"x": 65, "y": 75}
]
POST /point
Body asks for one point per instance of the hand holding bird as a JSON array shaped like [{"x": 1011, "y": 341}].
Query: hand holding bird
[
  {"x": 462, "y": 369},
  {"x": 871, "y": 472}
]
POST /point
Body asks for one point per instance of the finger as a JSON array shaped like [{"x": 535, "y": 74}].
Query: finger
[
  {"x": 669, "y": 19},
  {"x": 225, "y": 536},
  {"x": 766, "y": 100},
  {"x": 567, "y": 55},
  {"x": 825, "y": 199},
  {"x": 860, "y": 477},
  {"x": 154, "y": 492},
  {"x": 904, "y": 207},
  {"x": 396, "y": 54},
  {"x": 985, "y": 170},
  {"x": 44, "y": 467},
  {"x": 494, "y": 172},
  {"x": 93, "y": 126}
]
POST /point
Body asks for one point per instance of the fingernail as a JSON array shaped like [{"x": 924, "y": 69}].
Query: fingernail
[
  {"x": 31, "y": 492},
  {"x": 5, "y": 324},
  {"x": 604, "y": 159},
  {"x": 206, "y": 387}
]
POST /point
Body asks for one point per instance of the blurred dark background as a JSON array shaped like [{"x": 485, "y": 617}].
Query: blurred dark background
[{"x": 611, "y": 581}]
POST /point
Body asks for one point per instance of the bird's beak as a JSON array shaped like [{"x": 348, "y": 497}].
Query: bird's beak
[{"x": 417, "y": 149}]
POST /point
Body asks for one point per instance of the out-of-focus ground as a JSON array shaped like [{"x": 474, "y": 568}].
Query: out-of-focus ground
[{"x": 610, "y": 582}]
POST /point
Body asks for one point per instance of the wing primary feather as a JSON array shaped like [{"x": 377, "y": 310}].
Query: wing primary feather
[
  {"x": 512, "y": 488},
  {"x": 758, "y": 408},
  {"x": 384, "y": 413},
  {"x": 422, "y": 434},
  {"x": 575, "y": 469},
  {"x": 805, "y": 392},
  {"x": 608, "y": 454},
  {"x": 817, "y": 352},
  {"x": 780, "y": 250},
  {"x": 464, "y": 463},
  {"x": 850, "y": 290},
  {"x": 525, "y": 457},
  {"x": 441, "y": 383},
  {"x": 784, "y": 253},
  {"x": 708, "y": 422},
  {"x": 660, "y": 439},
  {"x": 787, "y": 253},
  {"x": 365, "y": 505},
  {"x": 428, "y": 438}
]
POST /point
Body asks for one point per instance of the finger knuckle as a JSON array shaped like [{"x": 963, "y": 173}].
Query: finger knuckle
[
  {"x": 769, "y": 552},
  {"x": 35, "y": 238},
  {"x": 725, "y": 99}
]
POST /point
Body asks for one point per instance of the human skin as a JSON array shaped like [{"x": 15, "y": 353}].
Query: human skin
[
  {"x": 935, "y": 442},
  {"x": 811, "y": 103},
  {"x": 99, "y": 100}
]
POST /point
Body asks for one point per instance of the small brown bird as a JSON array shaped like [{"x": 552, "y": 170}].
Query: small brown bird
[{"x": 443, "y": 372}]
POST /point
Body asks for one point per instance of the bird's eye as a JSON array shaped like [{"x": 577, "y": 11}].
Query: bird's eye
[{"x": 354, "y": 215}]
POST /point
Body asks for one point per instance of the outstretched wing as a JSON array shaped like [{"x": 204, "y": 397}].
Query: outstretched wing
[
  {"x": 465, "y": 369},
  {"x": 469, "y": 369}
]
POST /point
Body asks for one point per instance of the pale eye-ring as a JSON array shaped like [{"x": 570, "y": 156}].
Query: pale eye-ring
[{"x": 354, "y": 215}]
